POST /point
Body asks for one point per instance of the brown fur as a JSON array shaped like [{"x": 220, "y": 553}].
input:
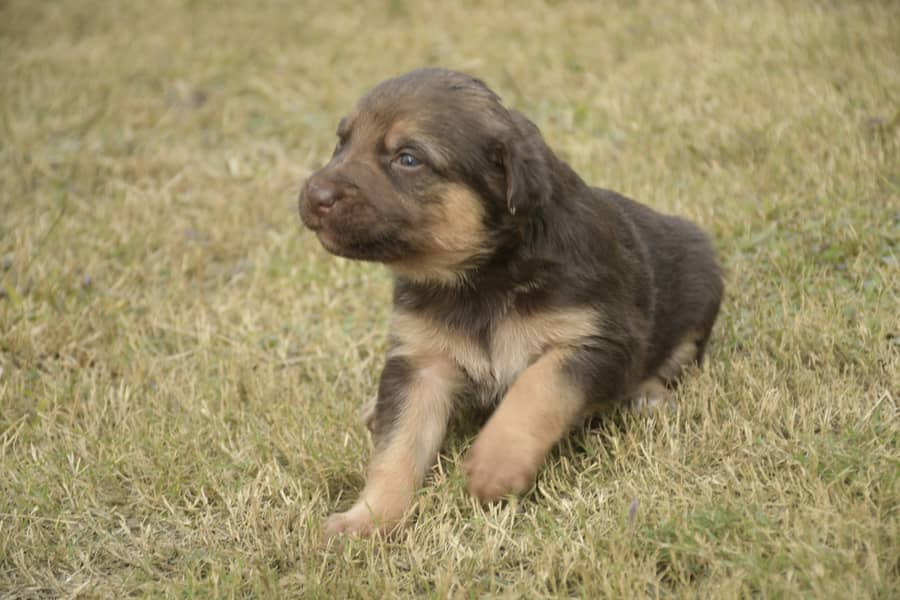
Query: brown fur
[{"x": 515, "y": 283}]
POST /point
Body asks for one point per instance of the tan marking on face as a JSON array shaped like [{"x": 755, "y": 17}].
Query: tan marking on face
[
  {"x": 537, "y": 411},
  {"x": 397, "y": 132},
  {"x": 398, "y": 465},
  {"x": 455, "y": 236}
]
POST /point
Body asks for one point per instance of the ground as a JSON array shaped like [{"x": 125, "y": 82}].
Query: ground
[{"x": 181, "y": 365}]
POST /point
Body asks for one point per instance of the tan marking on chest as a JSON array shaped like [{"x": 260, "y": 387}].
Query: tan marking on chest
[{"x": 514, "y": 343}]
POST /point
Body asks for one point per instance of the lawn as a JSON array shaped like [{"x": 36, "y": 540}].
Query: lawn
[{"x": 181, "y": 364}]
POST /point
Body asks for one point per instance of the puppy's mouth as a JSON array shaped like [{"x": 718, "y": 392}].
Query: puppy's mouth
[
  {"x": 329, "y": 238},
  {"x": 371, "y": 247},
  {"x": 327, "y": 232},
  {"x": 371, "y": 241}
]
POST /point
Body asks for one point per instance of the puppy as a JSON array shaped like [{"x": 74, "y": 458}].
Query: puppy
[{"x": 515, "y": 284}]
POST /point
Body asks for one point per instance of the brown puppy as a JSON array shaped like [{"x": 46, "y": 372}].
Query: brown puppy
[{"x": 515, "y": 283}]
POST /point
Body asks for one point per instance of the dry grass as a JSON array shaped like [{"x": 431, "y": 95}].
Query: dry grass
[{"x": 180, "y": 364}]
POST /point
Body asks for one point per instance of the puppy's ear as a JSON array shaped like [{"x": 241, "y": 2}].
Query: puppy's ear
[{"x": 524, "y": 157}]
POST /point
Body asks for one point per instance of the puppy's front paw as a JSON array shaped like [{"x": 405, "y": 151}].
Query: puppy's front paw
[
  {"x": 357, "y": 521},
  {"x": 499, "y": 465}
]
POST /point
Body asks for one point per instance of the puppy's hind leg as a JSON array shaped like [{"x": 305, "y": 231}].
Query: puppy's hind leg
[{"x": 655, "y": 392}]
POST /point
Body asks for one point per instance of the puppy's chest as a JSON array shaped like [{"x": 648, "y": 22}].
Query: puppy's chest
[
  {"x": 492, "y": 359},
  {"x": 495, "y": 361}
]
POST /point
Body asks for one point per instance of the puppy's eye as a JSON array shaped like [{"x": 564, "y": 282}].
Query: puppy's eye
[{"x": 405, "y": 159}]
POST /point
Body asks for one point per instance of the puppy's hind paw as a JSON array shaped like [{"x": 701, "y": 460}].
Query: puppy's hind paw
[{"x": 652, "y": 395}]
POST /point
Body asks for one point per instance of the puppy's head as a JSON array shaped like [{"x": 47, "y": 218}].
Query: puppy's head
[{"x": 430, "y": 175}]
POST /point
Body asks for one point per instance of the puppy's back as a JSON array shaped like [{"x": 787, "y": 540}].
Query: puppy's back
[{"x": 686, "y": 278}]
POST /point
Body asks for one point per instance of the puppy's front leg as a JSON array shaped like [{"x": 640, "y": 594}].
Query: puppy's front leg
[
  {"x": 411, "y": 415},
  {"x": 540, "y": 407}
]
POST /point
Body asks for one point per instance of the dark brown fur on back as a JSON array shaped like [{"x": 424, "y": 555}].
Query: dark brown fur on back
[{"x": 515, "y": 282}]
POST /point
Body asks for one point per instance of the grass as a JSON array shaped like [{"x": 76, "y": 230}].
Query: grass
[{"x": 181, "y": 364}]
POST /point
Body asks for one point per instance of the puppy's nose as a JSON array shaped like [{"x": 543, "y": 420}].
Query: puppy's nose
[{"x": 322, "y": 195}]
